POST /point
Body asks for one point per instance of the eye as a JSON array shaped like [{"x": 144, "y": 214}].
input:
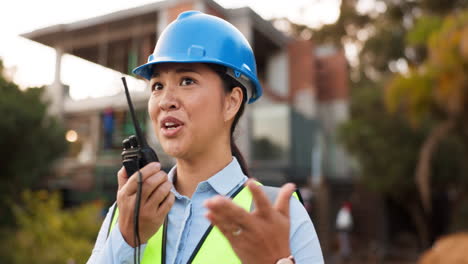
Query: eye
[
  {"x": 187, "y": 81},
  {"x": 157, "y": 86}
]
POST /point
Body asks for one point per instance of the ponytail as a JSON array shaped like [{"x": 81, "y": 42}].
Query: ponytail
[
  {"x": 240, "y": 158},
  {"x": 229, "y": 84}
]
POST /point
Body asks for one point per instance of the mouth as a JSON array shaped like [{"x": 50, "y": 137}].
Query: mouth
[{"x": 171, "y": 126}]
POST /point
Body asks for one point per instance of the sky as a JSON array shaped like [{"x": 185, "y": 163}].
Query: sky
[{"x": 31, "y": 64}]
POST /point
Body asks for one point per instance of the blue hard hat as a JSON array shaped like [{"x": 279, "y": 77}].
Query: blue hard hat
[{"x": 195, "y": 37}]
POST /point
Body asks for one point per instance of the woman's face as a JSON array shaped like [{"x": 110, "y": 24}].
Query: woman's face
[{"x": 188, "y": 108}]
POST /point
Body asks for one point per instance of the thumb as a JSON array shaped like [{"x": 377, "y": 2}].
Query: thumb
[
  {"x": 282, "y": 201},
  {"x": 122, "y": 177}
]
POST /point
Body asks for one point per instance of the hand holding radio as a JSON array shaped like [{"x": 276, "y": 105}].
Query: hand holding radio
[
  {"x": 141, "y": 210},
  {"x": 156, "y": 201}
]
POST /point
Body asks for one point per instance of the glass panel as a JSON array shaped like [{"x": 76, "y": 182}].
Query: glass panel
[
  {"x": 117, "y": 125},
  {"x": 270, "y": 139}
]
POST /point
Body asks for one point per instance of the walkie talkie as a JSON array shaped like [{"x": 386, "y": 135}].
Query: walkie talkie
[
  {"x": 135, "y": 155},
  {"x": 136, "y": 152}
]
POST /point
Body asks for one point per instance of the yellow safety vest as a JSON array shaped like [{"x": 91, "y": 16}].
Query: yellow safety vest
[{"x": 212, "y": 248}]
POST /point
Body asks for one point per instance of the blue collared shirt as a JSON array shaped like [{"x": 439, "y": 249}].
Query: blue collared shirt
[{"x": 187, "y": 224}]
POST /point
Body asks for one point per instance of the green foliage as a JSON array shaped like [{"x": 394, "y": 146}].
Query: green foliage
[
  {"x": 416, "y": 91},
  {"x": 346, "y": 27},
  {"x": 31, "y": 140},
  {"x": 48, "y": 234},
  {"x": 390, "y": 125},
  {"x": 441, "y": 7},
  {"x": 387, "y": 148},
  {"x": 392, "y": 115},
  {"x": 439, "y": 84},
  {"x": 449, "y": 166},
  {"x": 385, "y": 45},
  {"x": 384, "y": 144},
  {"x": 422, "y": 30},
  {"x": 379, "y": 134}
]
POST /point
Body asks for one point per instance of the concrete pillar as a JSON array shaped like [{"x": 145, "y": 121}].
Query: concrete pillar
[
  {"x": 55, "y": 91},
  {"x": 94, "y": 134},
  {"x": 103, "y": 47},
  {"x": 163, "y": 21},
  {"x": 103, "y": 53},
  {"x": 277, "y": 69},
  {"x": 178, "y": 6},
  {"x": 200, "y": 5}
]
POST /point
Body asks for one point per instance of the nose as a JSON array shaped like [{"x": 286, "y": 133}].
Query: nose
[{"x": 169, "y": 100}]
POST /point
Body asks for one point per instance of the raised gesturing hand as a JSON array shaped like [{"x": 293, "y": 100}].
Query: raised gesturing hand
[{"x": 257, "y": 237}]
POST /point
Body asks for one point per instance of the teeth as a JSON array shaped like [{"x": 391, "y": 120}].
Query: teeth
[
  {"x": 171, "y": 128},
  {"x": 169, "y": 124}
]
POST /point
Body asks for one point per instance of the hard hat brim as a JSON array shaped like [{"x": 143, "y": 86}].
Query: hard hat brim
[{"x": 146, "y": 71}]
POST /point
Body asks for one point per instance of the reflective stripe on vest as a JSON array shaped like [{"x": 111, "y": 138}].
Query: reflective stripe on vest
[{"x": 212, "y": 242}]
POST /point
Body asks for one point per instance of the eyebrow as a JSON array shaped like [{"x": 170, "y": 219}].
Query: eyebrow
[{"x": 178, "y": 70}]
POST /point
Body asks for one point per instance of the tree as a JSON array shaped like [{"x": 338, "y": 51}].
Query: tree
[
  {"x": 31, "y": 140},
  {"x": 386, "y": 145},
  {"x": 387, "y": 148},
  {"x": 379, "y": 33},
  {"x": 48, "y": 234},
  {"x": 436, "y": 89}
]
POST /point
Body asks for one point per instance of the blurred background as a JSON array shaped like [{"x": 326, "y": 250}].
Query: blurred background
[{"x": 364, "y": 108}]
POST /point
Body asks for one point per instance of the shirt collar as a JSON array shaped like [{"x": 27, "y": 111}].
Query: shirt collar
[{"x": 223, "y": 181}]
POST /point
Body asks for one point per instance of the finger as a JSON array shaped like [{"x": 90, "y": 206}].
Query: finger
[
  {"x": 152, "y": 183},
  {"x": 262, "y": 204},
  {"x": 159, "y": 194},
  {"x": 235, "y": 233},
  {"x": 227, "y": 228},
  {"x": 284, "y": 195},
  {"x": 146, "y": 172},
  {"x": 220, "y": 222},
  {"x": 227, "y": 211},
  {"x": 166, "y": 205},
  {"x": 122, "y": 177}
]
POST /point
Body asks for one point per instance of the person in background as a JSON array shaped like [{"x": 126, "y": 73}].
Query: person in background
[{"x": 344, "y": 225}]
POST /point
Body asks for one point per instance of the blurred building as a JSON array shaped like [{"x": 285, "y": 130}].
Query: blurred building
[{"x": 289, "y": 135}]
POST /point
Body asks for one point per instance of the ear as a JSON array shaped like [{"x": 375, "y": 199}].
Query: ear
[{"x": 232, "y": 103}]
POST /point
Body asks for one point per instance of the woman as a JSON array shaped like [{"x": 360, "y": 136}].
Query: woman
[{"x": 202, "y": 73}]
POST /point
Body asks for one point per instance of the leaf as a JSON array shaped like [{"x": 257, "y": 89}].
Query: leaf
[
  {"x": 425, "y": 26},
  {"x": 48, "y": 234}
]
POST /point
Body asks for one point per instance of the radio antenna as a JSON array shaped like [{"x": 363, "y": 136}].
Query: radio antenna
[{"x": 139, "y": 134}]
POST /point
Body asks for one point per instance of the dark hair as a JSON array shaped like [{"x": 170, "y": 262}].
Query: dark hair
[{"x": 229, "y": 83}]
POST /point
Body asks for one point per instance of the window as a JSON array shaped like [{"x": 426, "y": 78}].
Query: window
[
  {"x": 117, "y": 125},
  {"x": 270, "y": 127}
]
